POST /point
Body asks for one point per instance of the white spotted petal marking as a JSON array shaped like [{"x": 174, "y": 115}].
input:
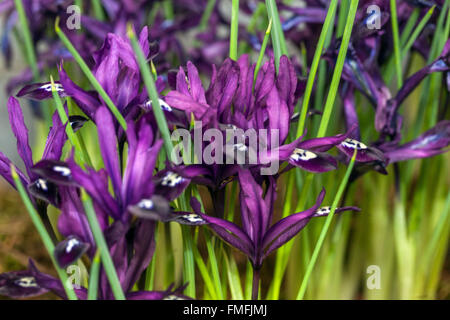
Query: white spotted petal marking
[
  {"x": 164, "y": 105},
  {"x": 192, "y": 218},
  {"x": 63, "y": 170},
  {"x": 26, "y": 282},
  {"x": 146, "y": 204},
  {"x": 48, "y": 87},
  {"x": 302, "y": 155},
  {"x": 171, "y": 179},
  {"x": 42, "y": 184},
  {"x": 353, "y": 144},
  {"x": 71, "y": 244},
  {"x": 323, "y": 211}
]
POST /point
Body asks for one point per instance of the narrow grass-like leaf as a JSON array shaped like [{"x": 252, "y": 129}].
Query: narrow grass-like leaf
[
  {"x": 397, "y": 49},
  {"x": 315, "y": 65},
  {"x": 278, "y": 40},
  {"x": 205, "y": 274},
  {"x": 234, "y": 29},
  {"x": 233, "y": 277},
  {"x": 98, "y": 10},
  {"x": 207, "y": 14},
  {"x": 152, "y": 92},
  {"x": 107, "y": 262},
  {"x": 263, "y": 50},
  {"x": 417, "y": 31},
  {"x": 338, "y": 69},
  {"x": 94, "y": 277},
  {"x": 29, "y": 47},
  {"x": 80, "y": 148},
  {"x": 326, "y": 226},
  {"x": 214, "y": 265}
]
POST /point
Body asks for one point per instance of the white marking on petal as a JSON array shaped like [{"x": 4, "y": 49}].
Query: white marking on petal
[
  {"x": 353, "y": 144},
  {"x": 192, "y": 218},
  {"x": 26, "y": 282},
  {"x": 146, "y": 204},
  {"x": 63, "y": 170},
  {"x": 42, "y": 184},
  {"x": 71, "y": 244},
  {"x": 48, "y": 87},
  {"x": 303, "y": 155},
  {"x": 162, "y": 103},
  {"x": 172, "y": 179},
  {"x": 323, "y": 211}
]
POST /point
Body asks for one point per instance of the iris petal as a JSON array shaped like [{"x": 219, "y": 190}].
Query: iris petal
[{"x": 69, "y": 250}]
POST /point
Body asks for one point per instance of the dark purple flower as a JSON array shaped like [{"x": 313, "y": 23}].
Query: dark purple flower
[
  {"x": 41, "y": 91},
  {"x": 257, "y": 237},
  {"x": 19, "y": 284},
  {"x": 364, "y": 153},
  {"x": 432, "y": 142},
  {"x": 387, "y": 119},
  {"x": 32, "y": 282}
]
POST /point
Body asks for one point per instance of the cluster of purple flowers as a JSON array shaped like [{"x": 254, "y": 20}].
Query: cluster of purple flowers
[{"x": 130, "y": 196}]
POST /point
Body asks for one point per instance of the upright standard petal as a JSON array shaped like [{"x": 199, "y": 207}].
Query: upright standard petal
[
  {"x": 108, "y": 146},
  {"x": 20, "y": 131}
]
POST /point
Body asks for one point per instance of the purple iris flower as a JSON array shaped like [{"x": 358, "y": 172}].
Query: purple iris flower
[
  {"x": 116, "y": 69},
  {"x": 432, "y": 142},
  {"x": 234, "y": 101},
  {"x": 131, "y": 241},
  {"x": 32, "y": 282},
  {"x": 258, "y": 237}
]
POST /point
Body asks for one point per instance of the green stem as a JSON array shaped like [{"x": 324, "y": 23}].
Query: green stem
[
  {"x": 325, "y": 228},
  {"x": 397, "y": 49},
  {"x": 205, "y": 274},
  {"x": 152, "y": 92},
  {"x": 46, "y": 239},
  {"x": 107, "y": 262},
  {"x": 98, "y": 10},
  {"x": 315, "y": 65},
  {"x": 234, "y": 29},
  {"x": 93, "y": 277},
  {"x": 214, "y": 265},
  {"x": 73, "y": 138},
  {"x": 278, "y": 40},
  {"x": 338, "y": 69},
  {"x": 417, "y": 31},
  {"x": 207, "y": 14},
  {"x": 233, "y": 277},
  {"x": 262, "y": 51},
  {"x": 29, "y": 47},
  {"x": 188, "y": 261}
]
